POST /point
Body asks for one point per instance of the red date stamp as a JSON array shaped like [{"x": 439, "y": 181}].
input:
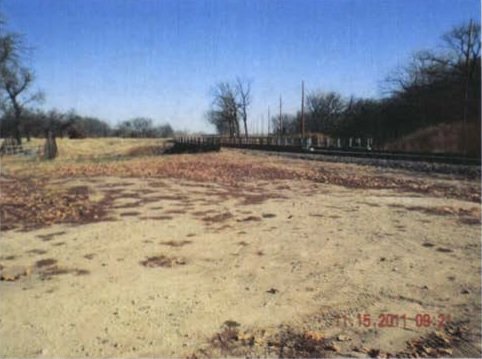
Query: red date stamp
[{"x": 390, "y": 320}]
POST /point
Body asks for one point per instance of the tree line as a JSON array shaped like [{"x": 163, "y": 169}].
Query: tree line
[
  {"x": 19, "y": 116},
  {"x": 37, "y": 123},
  {"x": 435, "y": 86}
]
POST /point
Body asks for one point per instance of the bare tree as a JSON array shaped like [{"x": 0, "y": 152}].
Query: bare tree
[
  {"x": 441, "y": 85},
  {"x": 423, "y": 69},
  {"x": 142, "y": 126},
  {"x": 243, "y": 90},
  {"x": 16, "y": 85},
  {"x": 15, "y": 81},
  {"x": 224, "y": 112},
  {"x": 324, "y": 111},
  {"x": 464, "y": 44}
]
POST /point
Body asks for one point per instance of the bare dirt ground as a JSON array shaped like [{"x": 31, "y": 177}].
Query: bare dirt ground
[{"x": 231, "y": 254}]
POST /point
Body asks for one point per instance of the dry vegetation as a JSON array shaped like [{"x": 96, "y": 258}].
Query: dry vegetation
[
  {"x": 442, "y": 138},
  {"x": 30, "y": 199},
  {"x": 190, "y": 235},
  {"x": 133, "y": 158}
]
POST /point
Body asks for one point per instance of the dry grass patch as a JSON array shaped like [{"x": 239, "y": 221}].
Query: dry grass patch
[
  {"x": 32, "y": 197},
  {"x": 228, "y": 167},
  {"x": 152, "y": 150}
]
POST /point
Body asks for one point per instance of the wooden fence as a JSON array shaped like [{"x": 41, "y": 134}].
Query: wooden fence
[{"x": 25, "y": 150}]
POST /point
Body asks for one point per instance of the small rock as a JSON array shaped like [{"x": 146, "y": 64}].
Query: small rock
[
  {"x": 272, "y": 291},
  {"x": 465, "y": 291}
]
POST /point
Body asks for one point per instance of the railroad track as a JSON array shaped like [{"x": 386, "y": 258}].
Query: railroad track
[
  {"x": 376, "y": 155},
  {"x": 402, "y": 156},
  {"x": 434, "y": 158}
]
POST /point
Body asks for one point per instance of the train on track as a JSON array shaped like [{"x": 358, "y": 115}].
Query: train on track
[{"x": 318, "y": 145}]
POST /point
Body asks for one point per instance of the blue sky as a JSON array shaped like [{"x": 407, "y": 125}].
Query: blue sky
[{"x": 117, "y": 59}]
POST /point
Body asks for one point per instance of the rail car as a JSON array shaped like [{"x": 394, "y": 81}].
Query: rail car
[{"x": 320, "y": 145}]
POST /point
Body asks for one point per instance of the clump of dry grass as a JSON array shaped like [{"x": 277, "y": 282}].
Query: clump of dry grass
[
  {"x": 152, "y": 150},
  {"x": 443, "y": 138},
  {"x": 84, "y": 150},
  {"x": 91, "y": 148},
  {"x": 224, "y": 167}
]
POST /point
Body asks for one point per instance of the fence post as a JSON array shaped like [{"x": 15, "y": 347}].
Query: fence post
[{"x": 50, "y": 146}]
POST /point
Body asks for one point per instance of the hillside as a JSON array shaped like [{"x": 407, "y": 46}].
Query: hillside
[{"x": 445, "y": 137}]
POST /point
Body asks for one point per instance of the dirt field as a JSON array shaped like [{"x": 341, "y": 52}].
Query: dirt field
[{"x": 233, "y": 254}]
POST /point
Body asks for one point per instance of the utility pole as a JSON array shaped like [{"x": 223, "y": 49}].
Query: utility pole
[
  {"x": 269, "y": 120},
  {"x": 302, "y": 109},
  {"x": 280, "y": 119}
]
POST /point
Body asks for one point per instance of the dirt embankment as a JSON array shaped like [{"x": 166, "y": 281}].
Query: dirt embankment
[{"x": 443, "y": 138}]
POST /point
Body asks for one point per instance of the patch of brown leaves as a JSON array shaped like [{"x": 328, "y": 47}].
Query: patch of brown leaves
[
  {"x": 234, "y": 169},
  {"x": 467, "y": 216},
  {"x": 28, "y": 204},
  {"x": 289, "y": 342}
]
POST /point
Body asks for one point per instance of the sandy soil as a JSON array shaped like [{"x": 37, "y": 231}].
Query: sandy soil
[{"x": 190, "y": 268}]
